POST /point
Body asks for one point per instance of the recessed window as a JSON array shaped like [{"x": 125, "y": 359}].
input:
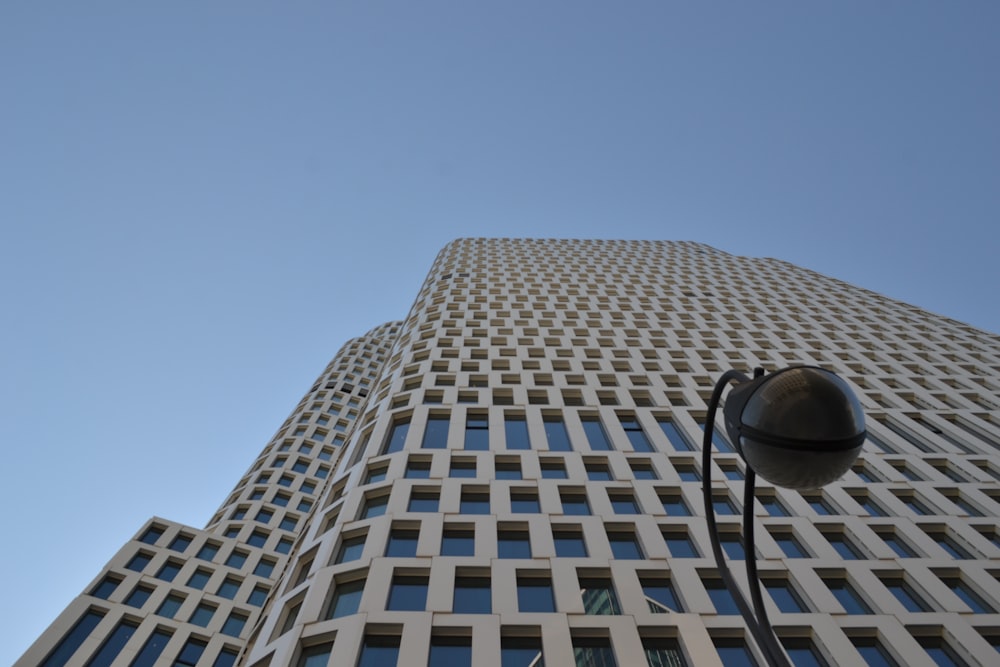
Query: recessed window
[
  {"x": 599, "y": 596},
  {"x": 521, "y": 652},
  {"x": 553, "y": 470},
  {"x": 623, "y": 503},
  {"x": 663, "y": 652},
  {"x": 168, "y": 571},
  {"x": 674, "y": 505},
  {"x": 574, "y": 503},
  {"x": 257, "y": 596},
  {"x": 139, "y": 596},
  {"x": 374, "y": 506},
  {"x": 72, "y": 640},
  {"x": 477, "y": 433},
  {"x": 472, "y": 595},
  {"x": 423, "y": 501},
  {"x": 463, "y": 468},
  {"x": 534, "y": 594},
  {"x": 843, "y": 545},
  {"x": 418, "y": 469},
  {"x": 896, "y": 542},
  {"x": 234, "y": 624},
  {"x": 407, "y": 593},
  {"x": 524, "y": 502},
  {"x": 402, "y": 543},
  {"x": 451, "y": 650},
  {"x": 976, "y": 602},
  {"x": 660, "y": 595},
  {"x": 513, "y": 544},
  {"x": 208, "y": 551},
  {"x": 458, "y": 542},
  {"x": 642, "y": 470},
  {"x": 789, "y": 544},
  {"x": 847, "y": 596},
  {"x": 772, "y": 505},
  {"x": 152, "y": 649},
  {"x": 624, "y": 545},
  {"x": 139, "y": 561},
  {"x": 596, "y": 435},
  {"x": 721, "y": 598},
  {"x": 905, "y": 594},
  {"x": 508, "y": 470},
  {"x": 180, "y": 543},
  {"x": 106, "y": 587},
  {"x": 228, "y": 588},
  {"x": 597, "y": 471},
  {"x": 379, "y": 651},
  {"x": 677, "y": 441},
  {"x": 152, "y": 534},
  {"x": 679, "y": 544},
  {"x": 397, "y": 436},
  {"x": 516, "y": 432},
  {"x": 785, "y": 597},
  {"x": 351, "y": 548},
  {"x": 346, "y": 598},
  {"x": 734, "y": 652},
  {"x": 265, "y": 568},
  {"x": 636, "y": 436},
  {"x": 590, "y": 650},
  {"x": 202, "y": 614},
  {"x": 569, "y": 543}
]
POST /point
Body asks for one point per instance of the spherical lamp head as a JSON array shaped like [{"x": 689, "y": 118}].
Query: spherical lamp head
[{"x": 798, "y": 428}]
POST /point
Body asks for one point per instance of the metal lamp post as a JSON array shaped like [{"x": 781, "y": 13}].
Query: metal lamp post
[{"x": 799, "y": 428}]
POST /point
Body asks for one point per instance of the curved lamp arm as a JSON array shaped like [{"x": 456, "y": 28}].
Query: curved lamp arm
[{"x": 759, "y": 625}]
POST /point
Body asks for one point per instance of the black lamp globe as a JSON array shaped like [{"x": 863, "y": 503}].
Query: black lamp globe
[{"x": 798, "y": 428}]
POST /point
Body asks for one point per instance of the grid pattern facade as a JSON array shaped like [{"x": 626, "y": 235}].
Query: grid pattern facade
[{"x": 513, "y": 472}]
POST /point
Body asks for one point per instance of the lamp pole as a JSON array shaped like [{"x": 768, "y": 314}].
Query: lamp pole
[{"x": 802, "y": 427}]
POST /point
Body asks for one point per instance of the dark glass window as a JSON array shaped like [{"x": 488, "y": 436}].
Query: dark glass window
[
  {"x": 772, "y": 505},
  {"x": 663, "y": 652},
  {"x": 423, "y": 501},
  {"x": 418, "y": 469},
  {"x": 458, "y": 542},
  {"x": 843, "y": 545},
  {"x": 152, "y": 649},
  {"x": 592, "y": 651},
  {"x": 785, "y": 596},
  {"x": 264, "y": 568},
  {"x": 535, "y": 594},
  {"x": 71, "y": 641},
  {"x": 513, "y": 544},
  {"x": 687, "y": 472},
  {"x": 660, "y": 596},
  {"x": 847, "y": 596},
  {"x": 472, "y": 595},
  {"x": 257, "y": 539},
  {"x": 168, "y": 571},
  {"x": 971, "y": 598},
  {"x": 678, "y": 441},
  {"x": 190, "y": 653},
  {"x": 556, "y": 434},
  {"x": 402, "y": 542},
  {"x": 680, "y": 545},
  {"x": 723, "y": 505},
  {"x": 898, "y": 544},
  {"x": 202, "y": 615},
  {"x": 789, "y": 545},
  {"x": 451, "y": 651},
  {"x": 226, "y": 658},
  {"x": 642, "y": 470},
  {"x": 940, "y": 652},
  {"x": 462, "y": 468},
  {"x": 803, "y": 652},
  {"x": 374, "y": 475},
  {"x": 734, "y": 652},
  {"x": 598, "y": 472},
  {"x": 379, "y": 651},
  {"x": 624, "y": 545},
  {"x": 436, "y": 432},
  {"x": 516, "y": 433},
  {"x": 234, "y": 624},
  {"x": 228, "y": 588},
  {"x": 623, "y": 503},
  {"x": 553, "y": 470},
  {"x": 674, "y": 505},
  {"x": 475, "y": 502},
  {"x": 351, "y": 548},
  {"x": 208, "y": 551},
  {"x": 114, "y": 644},
  {"x": 257, "y": 596},
  {"x": 598, "y": 596},
  {"x": 574, "y": 503},
  {"x": 346, "y": 598},
  {"x": 569, "y": 543},
  {"x": 397, "y": 436},
  {"x": 524, "y": 502},
  {"x": 732, "y": 544},
  {"x": 374, "y": 506},
  {"x": 818, "y": 504},
  {"x": 721, "y": 598},
  {"x": 180, "y": 543},
  {"x": 508, "y": 470},
  {"x": 477, "y": 433},
  {"x": 199, "y": 578},
  {"x": 170, "y": 606},
  {"x": 407, "y": 593},
  {"x": 237, "y": 559},
  {"x": 636, "y": 436},
  {"x": 152, "y": 534},
  {"x": 905, "y": 594},
  {"x": 951, "y": 546},
  {"x": 521, "y": 652},
  {"x": 105, "y": 588},
  {"x": 718, "y": 439},
  {"x": 874, "y": 654},
  {"x": 138, "y": 597},
  {"x": 139, "y": 561},
  {"x": 596, "y": 435}
]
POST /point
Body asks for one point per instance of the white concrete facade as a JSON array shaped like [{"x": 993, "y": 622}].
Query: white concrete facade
[{"x": 514, "y": 469}]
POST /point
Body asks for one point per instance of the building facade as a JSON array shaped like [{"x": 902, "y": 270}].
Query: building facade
[{"x": 511, "y": 476}]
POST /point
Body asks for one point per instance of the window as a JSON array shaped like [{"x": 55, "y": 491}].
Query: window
[
  {"x": 597, "y": 471},
  {"x": 803, "y": 652},
  {"x": 723, "y": 505},
  {"x": 72, "y": 640},
  {"x": 534, "y": 594},
  {"x": 351, "y": 548},
  {"x": 721, "y": 598},
  {"x": 315, "y": 656},
  {"x": 208, "y": 551},
  {"x": 521, "y": 652},
  {"x": 513, "y": 544},
  {"x": 674, "y": 505},
  {"x": 152, "y": 649},
  {"x": 945, "y": 541},
  {"x": 687, "y": 472},
  {"x": 848, "y": 598},
  {"x": 423, "y": 501},
  {"x": 524, "y": 501},
  {"x": 660, "y": 595},
  {"x": 718, "y": 439},
  {"x": 508, "y": 470},
  {"x": 436, "y": 432},
  {"x": 168, "y": 571},
  {"x": 180, "y": 543},
  {"x": 199, "y": 578},
  {"x": 417, "y": 469},
  {"x": 234, "y": 624},
  {"x": 257, "y": 596},
  {"x": 451, "y": 651},
  {"x": 397, "y": 436},
  {"x": 636, "y": 436},
  {"x": 897, "y": 543},
  {"x": 139, "y": 561},
  {"x": 257, "y": 539},
  {"x": 569, "y": 543},
  {"x": 138, "y": 597},
  {"x": 679, "y": 544},
  {"x": 516, "y": 432},
  {"x": 553, "y": 470},
  {"x": 114, "y": 644},
  {"x": 732, "y": 544},
  {"x": 106, "y": 587},
  {"x": 574, "y": 503},
  {"x": 596, "y": 435},
  {"x": 599, "y": 597},
  {"x": 477, "y": 433},
  {"x": 264, "y": 568},
  {"x": 843, "y": 545},
  {"x": 590, "y": 651},
  {"x": 152, "y": 534},
  {"x": 772, "y": 505},
  {"x": 623, "y": 503},
  {"x": 734, "y": 652},
  {"x": 379, "y": 651},
  {"x": 407, "y": 593},
  {"x": 663, "y": 652},
  {"x": 374, "y": 506},
  {"x": 170, "y": 606},
  {"x": 903, "y": 592},
  {"x": 971, "y": 598},
  {"x": 475, "y": 502},
  {"x": 873, "y": 652},
  {"x": 785, "y": 597},
  {"x": 402, "y": 543},
  {"x": 346, "y": 598},
  {"x": 677, "y": 441},
  {"x": 624, "y": 545},
  {"x": 472, "y": 595},
  {"x": 374, "y": 475},
  {"x": 642, "y": 470},
  {"x": 941, "y": 652},
  {"x": 458, "y": 542},
  {"x": 556, "y": 434}
]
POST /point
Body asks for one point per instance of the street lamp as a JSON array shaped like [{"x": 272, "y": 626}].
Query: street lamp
[{"x": 800, "y": 428}]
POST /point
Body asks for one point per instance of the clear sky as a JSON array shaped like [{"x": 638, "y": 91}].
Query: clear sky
[{"x": 201, "y": 201}]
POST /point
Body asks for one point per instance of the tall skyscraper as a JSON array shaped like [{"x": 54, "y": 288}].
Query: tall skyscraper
[{"x": 511, "y": 474}]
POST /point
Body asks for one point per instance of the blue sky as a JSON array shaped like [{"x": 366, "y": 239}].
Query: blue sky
[{"x": 200, "y": 202}]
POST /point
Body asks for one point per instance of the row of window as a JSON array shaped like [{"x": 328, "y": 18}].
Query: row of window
[
  {"x": 190, "y": 653},
  {"x": 236, "y": 560}
]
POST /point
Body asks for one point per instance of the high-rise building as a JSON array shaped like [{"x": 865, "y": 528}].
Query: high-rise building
[{"x": 512, "y": 472}]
